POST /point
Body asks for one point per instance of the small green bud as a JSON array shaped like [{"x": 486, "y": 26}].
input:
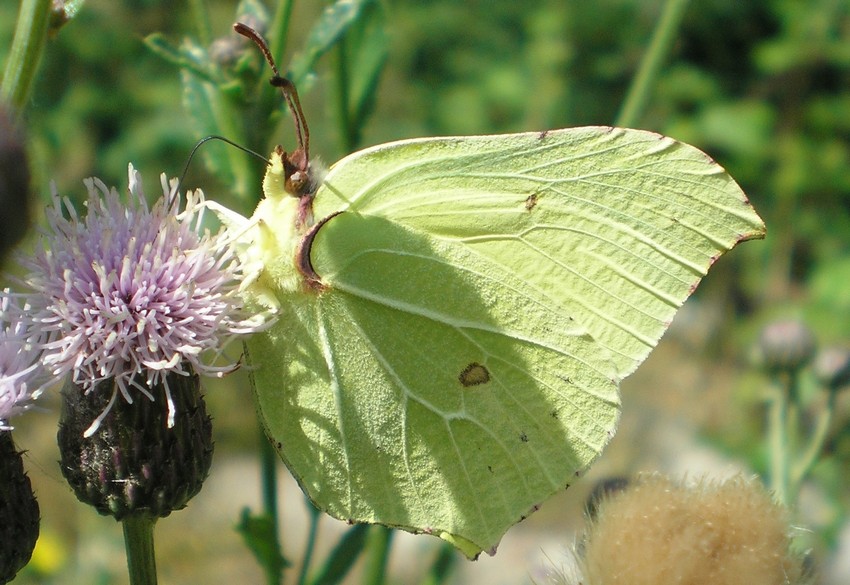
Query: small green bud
[{"x": 134, "y": 463}]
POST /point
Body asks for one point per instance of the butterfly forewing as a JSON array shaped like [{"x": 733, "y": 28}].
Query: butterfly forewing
[{"x": 477, "y": 301}]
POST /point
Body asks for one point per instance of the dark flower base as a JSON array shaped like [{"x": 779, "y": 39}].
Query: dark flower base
[
  {"x": 19, "y": 513},
  {"x": 134, "y": 464}
]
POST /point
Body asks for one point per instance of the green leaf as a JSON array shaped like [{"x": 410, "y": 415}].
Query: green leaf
[
  {"x": 332, "y": 24},
  {"x": 361, "y": 59},
  {"x": 216, "y": 115},
  {"x": 258, "y": 534},
  {"x": 189, "y": 56},
  {"x": 343, "y": 556},
  {"x": 453, "y": 329},
  {"x": 444, "y": 560},
  {"x": 252, "y": 11}
]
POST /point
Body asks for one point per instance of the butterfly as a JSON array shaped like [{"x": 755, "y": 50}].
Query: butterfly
[{"x": 455, "y": 314}]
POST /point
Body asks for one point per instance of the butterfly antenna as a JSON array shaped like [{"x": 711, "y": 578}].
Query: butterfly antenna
[
  {"x": 195, "y": 150},
  {"x": 287, "y": 88},
  {"x": 291, "y": 95}
]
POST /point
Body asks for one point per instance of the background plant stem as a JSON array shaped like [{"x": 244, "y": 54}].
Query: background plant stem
[
  {"x": 777, "y": 442},
  {"x": 279, "y": 29},
  {"x": 25, "y": 53},
  {"x": 809, "y": 457},
  {"x": 268, "y": 471},
  {"x": 200, "y": 14},
  {"x": 377, "y": 555},
  {"x": 307, "y": 557},
  {"x": 343, "y": 82},
  {"x": 641, "y": 88}
]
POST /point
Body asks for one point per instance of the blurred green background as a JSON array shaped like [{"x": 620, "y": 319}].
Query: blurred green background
[{"x": 762, "y": 86}]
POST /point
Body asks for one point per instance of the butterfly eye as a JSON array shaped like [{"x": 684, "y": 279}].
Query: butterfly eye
[{"x": 297, "y": 180}]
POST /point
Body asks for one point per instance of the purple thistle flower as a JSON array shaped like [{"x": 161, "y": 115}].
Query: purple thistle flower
[
  {"x": 135, "y": 293},
  {"x": 22, "y": 378}
]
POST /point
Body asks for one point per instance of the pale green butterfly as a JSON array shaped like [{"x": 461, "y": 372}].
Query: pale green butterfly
[{"x": 454, "y": 315}]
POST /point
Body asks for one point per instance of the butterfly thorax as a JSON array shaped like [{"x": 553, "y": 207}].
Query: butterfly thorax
[{"x": 282, "y": 220}]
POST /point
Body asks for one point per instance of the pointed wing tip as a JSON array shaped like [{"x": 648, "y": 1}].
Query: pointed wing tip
[{"x": 471, "y": 550}]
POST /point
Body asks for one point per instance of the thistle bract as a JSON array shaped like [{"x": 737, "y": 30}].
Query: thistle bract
[
  {"x": 132, "y": 464},
  {"x": 19, "y": 511}
]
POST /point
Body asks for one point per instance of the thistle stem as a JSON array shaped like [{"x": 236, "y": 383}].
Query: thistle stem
[
  {"x": 138, "y": 541},
  {"x": 814, "y": 447},
  {"x": 778, "y": 443},
  {"x": 25, "y": 53},
  {"x": 641, "y": 87}
]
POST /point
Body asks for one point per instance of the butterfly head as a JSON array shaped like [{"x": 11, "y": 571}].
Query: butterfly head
[{"x": 290, "y": 173}]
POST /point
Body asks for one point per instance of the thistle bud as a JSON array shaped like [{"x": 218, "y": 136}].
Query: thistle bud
[
  {"x": 226, "y": 51},
  {"x": 832, "y": 367},
  {"x": 19, "y": 513},
  {"x": 786, "y": 346},
  {"x": 134, "y": 462}
]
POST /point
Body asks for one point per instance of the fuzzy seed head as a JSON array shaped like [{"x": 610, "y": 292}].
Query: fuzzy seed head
[{"x": 658, "y": 532}]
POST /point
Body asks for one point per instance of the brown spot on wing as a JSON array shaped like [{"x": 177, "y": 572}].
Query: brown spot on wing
[{"x": 473, "y": 375}]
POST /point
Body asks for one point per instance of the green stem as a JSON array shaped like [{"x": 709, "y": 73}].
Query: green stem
[
  {"x": 268, "y": 470},
  {"x": 200, "y": 14},
  {"x": 343, "y": 97},
  {"x": 279, "y": 29},
  {"x": 138, "y": 541},
  {"x": 777, "y": 428},
  {"x": 442, "y": 566},
  {"x": 814, "y": 447},
  {"x": 662, "y": 39},
  {"x": 259, "y": 129},
  {"x": 268, "y": 460},
  {"x": 380, "y": 541},
  {"x": 311, "y": 542},
  {"x": 25, "y": 53}
]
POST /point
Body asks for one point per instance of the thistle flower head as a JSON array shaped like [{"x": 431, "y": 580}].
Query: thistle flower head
[
  {"x": 134, "y": 292},
  {"x": 22, "y": 379}
]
